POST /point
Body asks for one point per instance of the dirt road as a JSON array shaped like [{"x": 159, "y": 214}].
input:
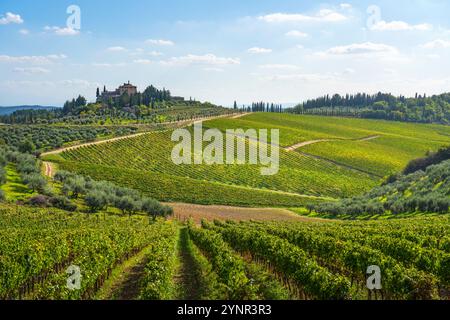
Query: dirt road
[
  {"x": 184, "y": 122},
  {"x": 307, "y": 143},
  {"x": 184, "y": 211}
]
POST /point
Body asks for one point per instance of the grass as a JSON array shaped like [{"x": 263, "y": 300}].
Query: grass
[
  {"x": 14, "y": 188},
  {"x": 112, "y": 288}
]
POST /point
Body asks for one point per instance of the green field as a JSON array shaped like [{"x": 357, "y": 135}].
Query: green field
[
  {"x": 382, "y": 156},
  {"x": 341, "y": 168},
  {"x": 299, "y": 128},
  {"x": 14, "y": 188}
]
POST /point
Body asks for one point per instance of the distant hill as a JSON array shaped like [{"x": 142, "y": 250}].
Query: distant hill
[
  {"x": 421, "y": 108},
  {"x": 10, "y": 110}
]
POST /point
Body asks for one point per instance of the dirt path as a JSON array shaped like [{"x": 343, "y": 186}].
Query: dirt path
[
  {"x": 186, "y": 280},
  {"x": 184, "y": 211},
  {"x": 240, "y": 115},
  {"x": 307, "y": 143},
  {"x": 184, "y": 122},
  {"x": 369, "y": 138},
  {"x": 48, "y": 169},
  {"x": 57, "y": 151},
  {"x": 304, "y": 144},
  {"x": 124, "y": 281}
]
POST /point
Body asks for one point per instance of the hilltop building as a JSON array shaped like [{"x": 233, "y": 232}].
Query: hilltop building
[{"x": 125, "y": 88}]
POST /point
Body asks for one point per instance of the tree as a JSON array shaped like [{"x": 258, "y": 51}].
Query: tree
[
  {"x": 126, "y": 204},
  {"x": 155, "y": 209},
  {"x": 96, "y": 200},
  {"x": 35, "y": 182},
  {"x": 2, "y": 176},
  {"x": 27, "y": 146},
  {"x": 98, "y": 92},
  {"x": 75, "y": 185}
]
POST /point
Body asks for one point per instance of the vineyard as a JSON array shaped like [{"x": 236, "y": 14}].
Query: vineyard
[
  {"x": 345, "y": 166},
  {"x": 298, "y": 174},
  {"x": 374, "y": 146},
  {"x": 329, "y": 260},
  {"x": 93, "y": 229},
  {"x": 221, "y": 260},
  {"x": 38, "y": 245}
]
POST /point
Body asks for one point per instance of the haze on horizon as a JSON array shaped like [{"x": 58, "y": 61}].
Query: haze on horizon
[{"x": 280, "y": 51}]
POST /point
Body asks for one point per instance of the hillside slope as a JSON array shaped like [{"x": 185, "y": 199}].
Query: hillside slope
[{"x": 419, "y": 192}]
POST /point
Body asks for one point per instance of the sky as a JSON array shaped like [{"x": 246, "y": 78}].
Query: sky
[{"x": 283, "y": 51}]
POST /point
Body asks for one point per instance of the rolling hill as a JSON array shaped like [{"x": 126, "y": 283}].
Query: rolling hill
[
  {"x": 145, "y": 163},
  {"x": 12, "y": 109}
]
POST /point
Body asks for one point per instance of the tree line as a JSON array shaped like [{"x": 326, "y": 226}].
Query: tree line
[
  {"x": 259, "y": 107},
  {"x": 420, "y": 108}
]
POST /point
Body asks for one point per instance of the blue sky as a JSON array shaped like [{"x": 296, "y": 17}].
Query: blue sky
[{"x": 221, "y": 51}]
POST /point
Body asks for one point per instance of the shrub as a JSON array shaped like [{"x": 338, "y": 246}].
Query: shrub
[
  {"x": 62, "y": 175},
  {"x": 39, "y": 201},
  {"x": 63, "y": 203}
]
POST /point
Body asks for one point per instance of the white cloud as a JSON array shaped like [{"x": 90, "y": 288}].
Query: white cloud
[
  {"x": 362, "y": 48},
  {"x": 62, "y": 31},
  {"x": 11, "y": 18},
  {"x": 160, "y": 42},
  {"x": 155, "y": 53},
  {"x": 108, "y": 65},
  {"x": 437, "y": 44},
  {"x": 345, "y": 6},
  {"x": 143, "y": 61},
  {"x": 24, "y": 32},
  {"x": 116, "y": 49},
  {"x": 78, "y": 83},
  {"x": 257, "y": 50},
  {"x": 296, "y": 34},
  {"x": 212, "y": 69},
  {"x": 142, "y": 52},
  {"x": 32, "y": 59},
  {"x": 311, "y": 77},
  {"x": 280, "y": 66},
  {"x": 207, "y": 59},
  {"x": 349, "y": 71},
  {"x": 433, "y": 56},
  {"x": 32, "y": 70},
  {"x": 400, "y": 26},
  {"x": 324, "y": 15}
]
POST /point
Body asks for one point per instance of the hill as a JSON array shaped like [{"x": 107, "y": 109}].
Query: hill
[
  {"x": 12, "y": 109},
  {"x": 423, "y": 191},
  {"x": 119, "y": 240},
  {"x": 434, "y": 109},
  {"x": 120, "y": 107},
  {"x": 144, "y": 162}
]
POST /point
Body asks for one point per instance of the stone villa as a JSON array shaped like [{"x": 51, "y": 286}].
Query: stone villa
[{"x": 125, "y": 88}]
